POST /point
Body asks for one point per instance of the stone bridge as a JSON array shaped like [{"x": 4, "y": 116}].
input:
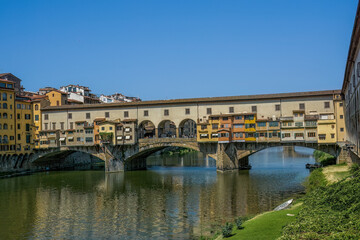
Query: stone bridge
[{"x": 228, "y": 156}]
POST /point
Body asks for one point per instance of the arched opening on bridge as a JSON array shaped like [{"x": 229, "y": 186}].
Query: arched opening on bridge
[
  {"x": 187, "y": 128},
  {"x": 279, "y": 157},
  {"x": 146, "y": 129},
  {"x": 167, "y": 129}
]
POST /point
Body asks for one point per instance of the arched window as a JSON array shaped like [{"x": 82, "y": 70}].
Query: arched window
[
  {"x": 4, "y": 95},
  {"x": 5, "y": 115},
  {"x": 36, "y": 107},
  {"x": 5, "y": 139},
  {"x": 5, "y": 126},
  {"x": 4, "y": 105}
]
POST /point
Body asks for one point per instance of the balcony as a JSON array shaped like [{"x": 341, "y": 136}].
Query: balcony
[{"x": 291, "y": 118}]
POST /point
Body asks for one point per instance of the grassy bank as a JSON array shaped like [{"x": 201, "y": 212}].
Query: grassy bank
[
  {"x": 329, "y": 210},
  {"x": 266, "y": 226}
]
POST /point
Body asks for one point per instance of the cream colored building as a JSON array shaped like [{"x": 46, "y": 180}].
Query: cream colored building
[{"x": 198, "y": 109}]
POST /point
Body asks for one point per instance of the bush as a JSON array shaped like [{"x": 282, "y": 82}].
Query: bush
[
  {"x": 354, "y": 168},
  {"x": 323, "y": 158},
  {"x": 329, "y": 213},
  {"x": 227, "y": 230},
  {"x": 315, "y": 180},
  {"x": 239, "y": 223}
]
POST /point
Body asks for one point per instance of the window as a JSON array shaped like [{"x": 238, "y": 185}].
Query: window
[
  {"x": 286, "y": 135},
  {"x": 261, "y": 124},
  {"x": 341, "y": 129},
  {"x": 71, "y": 125},
  {"x": 4, "y": 97},
  {"x": 238, "y": 117},
  {"x": 126, "y": 114},
  {"x": 46, "y": 117},
  {"x": 166, "y": 112},
  {"x": 18, "y": 126},
  {"x": 187, "y": 111},
  {"x": 277, "y": 107},
  {"x": 208, "y": 111},
  {"x": 215, "y": 126},
  {"x": 302, "y": 106},
  {"x": 27, "y": 116},
  {"x": 326, "y": 104},
  {"x": 341, "y": 116},
  {"x": 341, "y": 104},
  {"x": 146, "y": 113},
  {"x": 36, "y": 117},
  {"x": 322, "y": 136},
  {"x": 89, "y": 139},
  {"x": 27, "y": 127},
  {"x": 53, "y": 126},
  {"x": 4, "y": 105},
  {"x": 231, "y": 109},
  {"x": 57, "y": 103},
  {"x": 311, "y": 134},
  {"x": 332, "y": 135},
  {"x": 299, "y": 135},
  {"x": 103, "y": 128},
  {"x": 238, "y": 125},
  {"x": 18, "y": 137},
  {"x": 298, "y": 124},
  {"x": 69, "y": 115},
  {"x": 18, "y": 116},
  {"x": 36, "y": 107},
  {"x": 273, "y": 124},
  {"x": 107, "y": 114},
  {"x": 225, "y": 118},
  {"x": 45, "y": 126},
  {"x": 203, "y": 127},
  {"x": 253, "y": 108},
  {"x": 62, "y": 125},
  {"x": 87, "y": 115}
]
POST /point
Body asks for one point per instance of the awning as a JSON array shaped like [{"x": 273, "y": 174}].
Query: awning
[
  {"x": 62, "y": 139},
  {"x": 119, "y": 138},
  {"x": 127, "y": 129},
  {"x": 70, "y": 138},
  {"x": 214, "y": 135},
  {"x": 203, "y": 135},
  {"x": 127, "y": 137}
]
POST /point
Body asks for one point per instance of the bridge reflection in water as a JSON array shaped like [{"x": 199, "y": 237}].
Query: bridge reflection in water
[{"x": 162, "y": 202}]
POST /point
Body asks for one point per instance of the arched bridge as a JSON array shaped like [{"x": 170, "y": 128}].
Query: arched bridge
[{"x": 228, "y": 156}]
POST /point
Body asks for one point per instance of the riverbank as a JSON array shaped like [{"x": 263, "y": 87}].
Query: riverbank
[{"x": 329, "y": 210}]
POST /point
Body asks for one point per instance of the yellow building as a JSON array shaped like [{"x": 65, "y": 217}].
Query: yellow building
[
  {"x": 24, "y": 127},
  {"x": 214, "y": 122},
  {"x": 57, "y": 98},
  {"x": 107, "y": 131},
  {"x": 326, "y": 129},
  {"x": 38, "y": 102},
  {"x": 7, "y": 118},
  {"x": 250, "y": 127},
  {"x": 202, "y": 131}
]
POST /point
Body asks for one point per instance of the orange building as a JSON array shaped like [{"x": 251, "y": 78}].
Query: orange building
[{"x": 224, "y": 132}]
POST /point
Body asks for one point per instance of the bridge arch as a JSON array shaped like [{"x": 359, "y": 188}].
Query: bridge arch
[
  {"x": 167, "y": 129},
  {"x": 187, "y": 128},
  {"x": 146, "y": 129}
]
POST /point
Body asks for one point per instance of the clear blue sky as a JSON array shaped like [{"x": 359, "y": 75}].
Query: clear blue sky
[{"x": 178, "y": 48}]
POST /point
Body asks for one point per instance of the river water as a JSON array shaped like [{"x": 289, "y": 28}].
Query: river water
[{"x": 178, "y": 197}]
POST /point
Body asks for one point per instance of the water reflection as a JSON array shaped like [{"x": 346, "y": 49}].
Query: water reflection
[{"x": 162, "y": 202}]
